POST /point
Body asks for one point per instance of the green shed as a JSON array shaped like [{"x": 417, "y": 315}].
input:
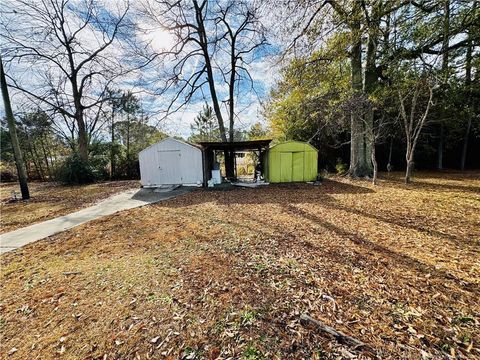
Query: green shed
[{"x": 291, "y": 161}]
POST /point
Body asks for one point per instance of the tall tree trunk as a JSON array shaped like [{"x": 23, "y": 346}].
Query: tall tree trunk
[
  {"x": 371, "y": 77},
  {"x": 79, "y": 117},
  {"x": 112, "y": 147},
  {"x": 408, "y": 171},
  {"x": 231, "y": 89},
  {"x": 441, "y": 139},
  {"x": 360, "y": 165},
  {"x": 409, "y": 159},
  {"x": 229, "y": 159},
  {"x": 22, "y": 175},
  {"x": 82, "y": 135},
  {"x": 375, "y": 165},
  {"x": 208, "y": 65},
  {"x": 463, "y": 160},
  {"x": 128, "y": 146},
  {"x": 389, "y": 163},
  {"x": 445, "y": 44},
  {"x": 230, "y": 155},
  {"x": 229, "y": 164},
  {"x": 468, "y": 83},
  {"x": 45, "y": 157}
]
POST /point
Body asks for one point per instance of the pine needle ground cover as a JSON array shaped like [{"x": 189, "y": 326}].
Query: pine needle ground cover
[
  {"x": 227, "y": 274},
  {"x": 50, "y": 200}
]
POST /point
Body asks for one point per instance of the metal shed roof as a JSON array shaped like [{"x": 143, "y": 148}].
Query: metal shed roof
[
  {"x": 235, "y": 145},
  {"x": 171, "y": 139}
]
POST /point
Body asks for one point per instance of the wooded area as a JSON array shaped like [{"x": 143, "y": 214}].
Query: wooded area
[{"x": 385, "y": 74}]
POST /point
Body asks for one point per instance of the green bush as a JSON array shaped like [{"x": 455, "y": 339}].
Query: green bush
[
  {"x": 341, "y": 167},
  {"x": 7, "y": 172},
  {"x": 99, "y": 159},
  {"x": 74, "y": 170}
]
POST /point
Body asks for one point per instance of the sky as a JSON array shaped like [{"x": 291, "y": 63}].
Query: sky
[
  {"x": 248, "y": 101},
  {"x": 145, "y": 82}
]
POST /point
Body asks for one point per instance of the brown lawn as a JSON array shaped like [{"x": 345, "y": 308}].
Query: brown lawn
[
  {"x": 227, "y": 274},
  {"x": 50, "y": 200}
]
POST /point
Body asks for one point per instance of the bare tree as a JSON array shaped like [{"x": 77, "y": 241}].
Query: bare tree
[
  {"x": 214, "y": 43},
  {"x": 62, "y": 49},
  {"x": 378, "y": 135},
  {"x": 243, "y": 34},
  {"x": 22, "y": 175},
  {"x": 414, "y": 116}
]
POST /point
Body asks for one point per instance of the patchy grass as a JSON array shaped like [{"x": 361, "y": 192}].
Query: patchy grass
[
  {"x": 227, "y": 274},
  {"x": 50, "y": 200}
]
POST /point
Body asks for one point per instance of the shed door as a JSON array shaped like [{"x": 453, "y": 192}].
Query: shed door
[
  {"x": 310, "y": 170},
  {"x": 298, "y": 166},
  {"x": 168, "y": 166},
  {"x": 285, "y": 167}
]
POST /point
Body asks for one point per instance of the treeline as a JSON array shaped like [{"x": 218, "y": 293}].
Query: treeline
[
  {"x": 393, "y": 80},
  {"x": 205, "y": 128},
  {"x": 207, "y": 55},
  {"x": 50, "y": 145}
]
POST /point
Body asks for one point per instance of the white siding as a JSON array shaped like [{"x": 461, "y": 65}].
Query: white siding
[{"x": 171, "y": 162}]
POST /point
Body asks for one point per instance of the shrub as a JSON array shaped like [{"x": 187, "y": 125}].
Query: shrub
[
  {"x": 8, "y": 172},
  {"x": 341, "y": 167},
  {"x": 75, "y": 170},
  {"x": 100, "y": 167},
  {"x": 99, "y": 160},
  {"x": 6, "y": 175}
]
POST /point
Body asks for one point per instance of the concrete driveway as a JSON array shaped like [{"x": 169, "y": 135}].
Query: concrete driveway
[{"x": 127, "y": 200}]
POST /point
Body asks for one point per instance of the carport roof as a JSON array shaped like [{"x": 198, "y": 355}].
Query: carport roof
[{"x": 235, "y": 145}]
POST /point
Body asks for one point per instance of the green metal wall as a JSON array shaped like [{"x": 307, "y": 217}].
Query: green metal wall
[{"x": 291, "y": 161}]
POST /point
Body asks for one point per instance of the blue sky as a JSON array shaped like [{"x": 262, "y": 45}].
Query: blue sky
[
  {"x": 248, "y": 99},
  {"x": 144, "y": 83}
]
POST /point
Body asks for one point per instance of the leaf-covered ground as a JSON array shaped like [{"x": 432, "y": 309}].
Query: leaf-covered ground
[
  {"x": 50, "y": 200},
  {"x": 227, "y": 274}
]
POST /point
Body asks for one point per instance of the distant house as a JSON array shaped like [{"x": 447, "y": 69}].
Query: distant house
[
  {"x": 171, "y": 162},
  {"x": 291, "y": 161}
]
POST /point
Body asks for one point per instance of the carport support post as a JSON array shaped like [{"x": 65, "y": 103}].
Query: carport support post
[
  {"x": 229, "y": 164},
  {"x": 234, "y": 164},
  {"x": 205, "y": 167},
  {"x": 260, "y": 161}
]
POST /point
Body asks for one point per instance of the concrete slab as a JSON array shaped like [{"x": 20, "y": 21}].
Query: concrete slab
[{"x": 123, "y": 201}]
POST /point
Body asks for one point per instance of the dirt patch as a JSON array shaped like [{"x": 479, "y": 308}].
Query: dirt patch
[{"x": 227, "y": 274}]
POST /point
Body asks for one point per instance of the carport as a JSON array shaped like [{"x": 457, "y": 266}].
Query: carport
[{"x": 210, "y": 149}]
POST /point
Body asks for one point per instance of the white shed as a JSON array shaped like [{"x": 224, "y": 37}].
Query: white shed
[{"x": 171, "y": 162}]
